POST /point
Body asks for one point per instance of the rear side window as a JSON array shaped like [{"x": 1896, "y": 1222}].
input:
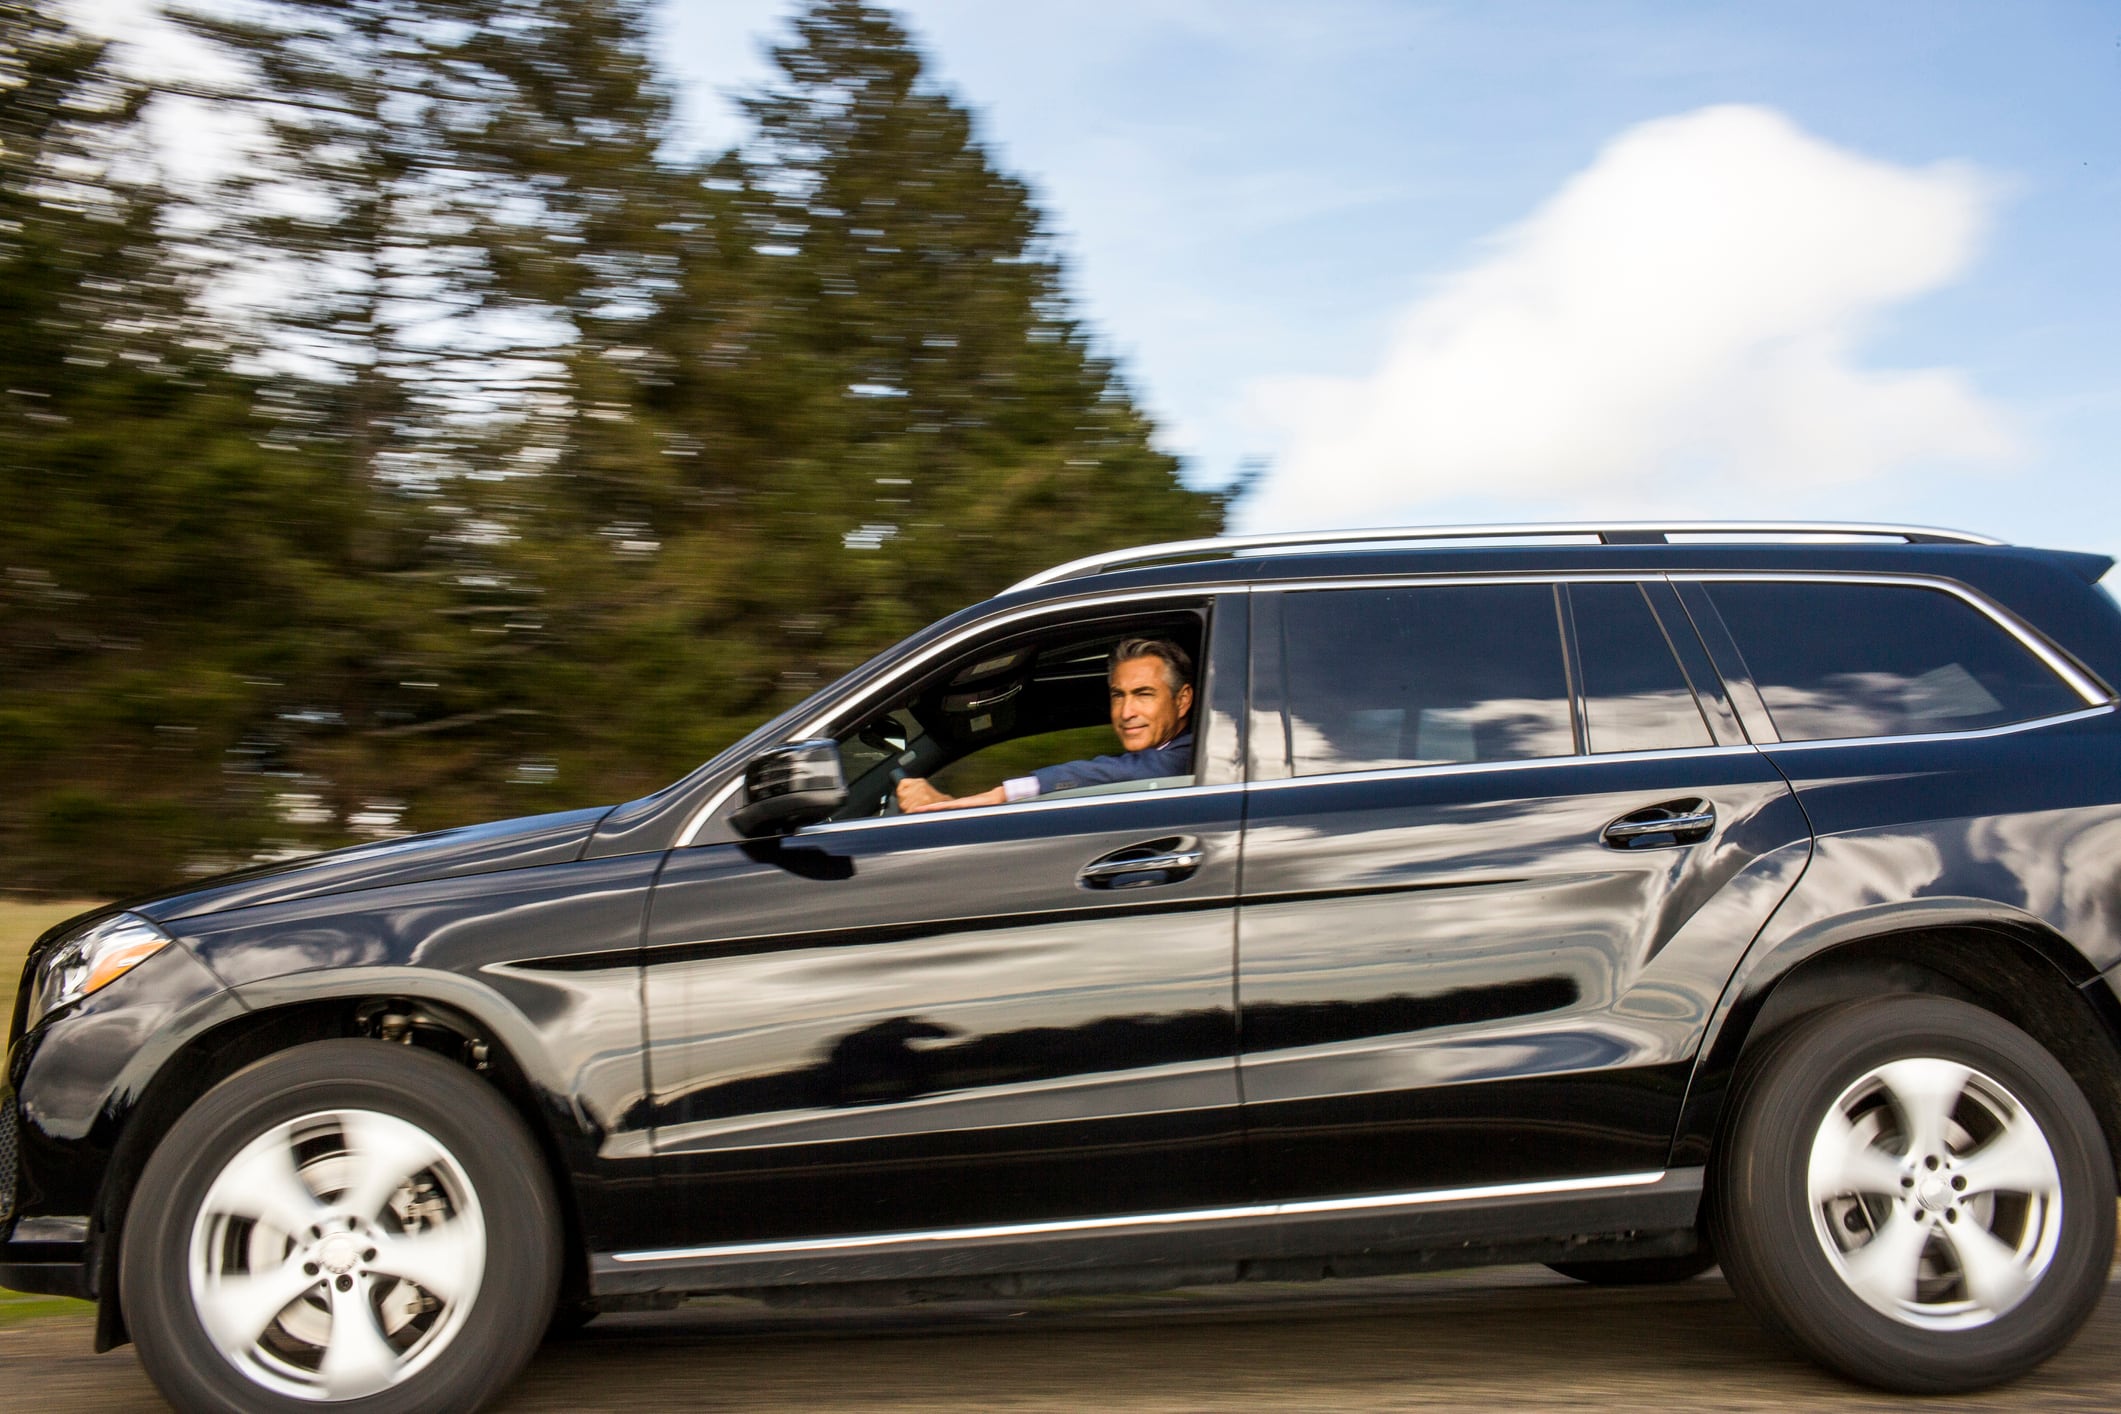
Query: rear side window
[
  {"x": 1635, "y": 695},
  {"x": 1380, "y": 678},
  {"x": 1847, "y": 660}
]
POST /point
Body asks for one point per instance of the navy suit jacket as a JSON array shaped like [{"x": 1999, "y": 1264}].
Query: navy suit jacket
[{"x": 1173, "y": 758}]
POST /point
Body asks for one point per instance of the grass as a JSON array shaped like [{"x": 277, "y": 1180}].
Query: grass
[
  {"x": 20, "y": 923},
  {"x": 15, "y": 1307}
]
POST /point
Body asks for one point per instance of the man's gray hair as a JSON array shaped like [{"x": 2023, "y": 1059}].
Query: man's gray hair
[{"x": 1178, "y": 663}]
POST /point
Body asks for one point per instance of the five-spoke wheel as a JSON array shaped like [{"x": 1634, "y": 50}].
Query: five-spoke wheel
[
  {"x": 337, "y": 1254},
  {"x": 1916, "y": 1193},
  {"x": 347, "y": 1222},
  {"x": 1935, "y": 1193}
]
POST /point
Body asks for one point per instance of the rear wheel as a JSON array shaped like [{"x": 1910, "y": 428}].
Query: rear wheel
[
  {"x": 347, "y": 1223},
  {"x": 1917, "y": 1194}
]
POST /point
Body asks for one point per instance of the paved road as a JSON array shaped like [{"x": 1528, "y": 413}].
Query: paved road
[{"x": 1516, "y": 1338}]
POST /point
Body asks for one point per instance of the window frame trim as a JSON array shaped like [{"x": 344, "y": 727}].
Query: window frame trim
[
  {"x": 1747, "y": 696},
  {"x": 1521, "y": 763},
  {"x": 1573, "y": 632},
  {"x": 1676, "y": 753},
  {"x": 823, "y": 721},
  {"x": 2096, "y": 698},
  {"x": 2054, "y": 719},
  {"x": 1737, "y": 683}
]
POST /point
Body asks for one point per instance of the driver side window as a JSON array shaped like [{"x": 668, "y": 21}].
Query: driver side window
[
  {"x": 1003, "y": 709},
  {"x": 991, "y": 765}
]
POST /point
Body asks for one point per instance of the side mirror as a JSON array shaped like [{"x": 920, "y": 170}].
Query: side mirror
[{"x": 788, "y": 787}]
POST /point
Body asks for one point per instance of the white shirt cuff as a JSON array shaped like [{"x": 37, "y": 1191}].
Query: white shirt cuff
[{"x": 1020, "y": 788}]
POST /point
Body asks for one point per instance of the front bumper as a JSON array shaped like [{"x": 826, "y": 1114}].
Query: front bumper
[
  {"x": 43, "y": 1255},
  {"x": 66, "y": 1094}
]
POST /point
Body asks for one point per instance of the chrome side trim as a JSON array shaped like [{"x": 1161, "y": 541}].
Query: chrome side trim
[
  {"x": 1460, "y": 768},
  {"x": 2007, "y": 729},
  {"x": 1195, "y": 1216},
  {"x": 705, "y": 813},
  {"x": 1396, "y": 773},
  {"x": 1403, "y": 580},
  {"x": 1319, "y": 539},
  {"x": 976, "y": 812}
]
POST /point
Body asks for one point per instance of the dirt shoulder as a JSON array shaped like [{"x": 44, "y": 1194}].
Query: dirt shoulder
[{"x": 1517, "y": 1338}]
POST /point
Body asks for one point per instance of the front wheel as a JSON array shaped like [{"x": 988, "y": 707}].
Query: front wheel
[
  {"x": 1916, "y": 1193},
  {"x": 348, "y": 1223}
]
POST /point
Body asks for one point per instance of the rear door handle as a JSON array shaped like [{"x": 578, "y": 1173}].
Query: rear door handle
[
  {"x": 1164, "y": 861},
  {"x": 1673, "y": 822}
]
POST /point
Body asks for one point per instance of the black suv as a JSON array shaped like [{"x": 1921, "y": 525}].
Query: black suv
[{"x": 1624, "y": 898}]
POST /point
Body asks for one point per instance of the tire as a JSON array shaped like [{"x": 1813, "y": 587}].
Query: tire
[
  {"x": 387, "y": 1199},
  {"x": 1639, "y": 1271},
  {"x": 1915, "y": 1194},
  {"x": 569, "y": 1319}
]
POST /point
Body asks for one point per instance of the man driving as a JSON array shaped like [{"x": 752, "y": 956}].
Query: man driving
[{"x": 1151, "y": 685}]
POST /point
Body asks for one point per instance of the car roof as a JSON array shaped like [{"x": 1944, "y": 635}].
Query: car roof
[
  {"x": 2049, "y": 588},
  {"x": 1522, "y": 534},
  {"x": 1574, "y": 546}
]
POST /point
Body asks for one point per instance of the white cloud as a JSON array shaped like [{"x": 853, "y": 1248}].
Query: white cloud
[{"x": 1675, "y": 329}]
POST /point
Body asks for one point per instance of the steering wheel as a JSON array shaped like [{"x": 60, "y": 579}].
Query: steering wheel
[{"x": 889, "y": 805}]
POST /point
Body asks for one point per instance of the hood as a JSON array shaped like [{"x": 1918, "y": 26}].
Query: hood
[{"x": 471, "y": 849}]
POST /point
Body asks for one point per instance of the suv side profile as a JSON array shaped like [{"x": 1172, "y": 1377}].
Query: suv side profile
[{"x": 1628, "y": 898}]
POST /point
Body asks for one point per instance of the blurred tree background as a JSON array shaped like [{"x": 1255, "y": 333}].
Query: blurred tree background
[{"x": 468, "y": 450}]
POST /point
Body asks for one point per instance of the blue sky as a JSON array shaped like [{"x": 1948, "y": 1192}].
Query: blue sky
[{"x": 1528, "y": 260}]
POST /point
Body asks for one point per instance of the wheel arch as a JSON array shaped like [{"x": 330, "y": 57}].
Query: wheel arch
[
  {"x": 426, "y": 1016},
  {"x": 2007, "y": 963}
]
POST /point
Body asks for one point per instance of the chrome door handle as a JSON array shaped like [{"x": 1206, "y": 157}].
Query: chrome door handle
[
  {"x": 1678, "y": 818},
  {"x": 1675, "y": 825},
  {"x": 1113, "y": 868}
]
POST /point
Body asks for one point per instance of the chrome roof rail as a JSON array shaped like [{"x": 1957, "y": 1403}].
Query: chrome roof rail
[{"x": 1635, "y": 532}]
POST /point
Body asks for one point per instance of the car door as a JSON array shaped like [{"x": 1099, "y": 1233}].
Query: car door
[
  {"x": 1505, "y": 843},
  {"x": 1941, "y": 751},
  {"x": 946, "y": 1021}
]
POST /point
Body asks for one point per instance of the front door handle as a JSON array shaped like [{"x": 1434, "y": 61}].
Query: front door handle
[
  {"x": 1164, "y": 861},
  {"x": 1673, "y": 822}
]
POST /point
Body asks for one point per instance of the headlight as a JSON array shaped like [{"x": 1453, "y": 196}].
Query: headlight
[{"x": 91, "y": 960}]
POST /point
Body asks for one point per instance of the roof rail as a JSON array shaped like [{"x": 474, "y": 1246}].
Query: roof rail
[{"x": 1635, "y": 532}]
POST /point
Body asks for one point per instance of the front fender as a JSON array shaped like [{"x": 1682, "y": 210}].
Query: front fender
[{"x": 75, "y": 1083}]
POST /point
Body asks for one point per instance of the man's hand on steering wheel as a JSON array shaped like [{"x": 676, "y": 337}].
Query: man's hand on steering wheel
[{"x": 913, "y": 795}]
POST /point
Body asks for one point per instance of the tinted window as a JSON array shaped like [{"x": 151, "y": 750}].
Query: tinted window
[
  {"x": 1419, "y": 677},
  {"x": 1635, "y": 695},
  {"x": 1841, "y": 660}
]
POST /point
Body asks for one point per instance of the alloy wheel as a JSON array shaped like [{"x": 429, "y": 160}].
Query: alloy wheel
[
  {"x": 1935, "y": 1194},
  {"x": 337, "y": 1254}
]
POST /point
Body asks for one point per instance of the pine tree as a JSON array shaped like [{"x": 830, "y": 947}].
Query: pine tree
[
  {"x": 464, "y": 201},
  {"x": 544, "y": 465},
  {"x": 954, "y": 415},
  {"x": 847, "y": 398},
  {"x": 871, "y": 352},
  {"x": 151, "y": 557}
]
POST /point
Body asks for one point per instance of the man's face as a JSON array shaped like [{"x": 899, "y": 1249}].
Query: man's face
[{"x": 1145, "y": 711}]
